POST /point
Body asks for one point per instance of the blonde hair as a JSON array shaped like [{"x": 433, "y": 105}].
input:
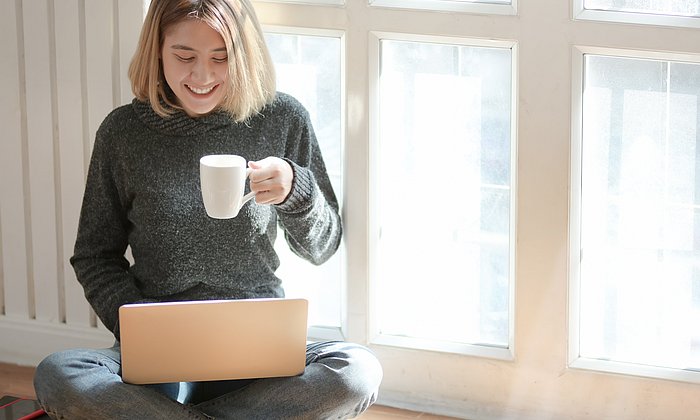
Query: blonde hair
[{"x": 250, "y": 70}]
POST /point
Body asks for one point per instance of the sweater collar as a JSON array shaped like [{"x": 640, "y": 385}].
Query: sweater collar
[{"x": 179, "y": 123}]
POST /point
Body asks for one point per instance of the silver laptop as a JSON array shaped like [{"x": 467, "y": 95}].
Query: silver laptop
[{"x": 213, "y": 340}]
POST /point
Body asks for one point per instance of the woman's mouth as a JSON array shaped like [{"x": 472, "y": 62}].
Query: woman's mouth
[{"x": 201, "y": 91}]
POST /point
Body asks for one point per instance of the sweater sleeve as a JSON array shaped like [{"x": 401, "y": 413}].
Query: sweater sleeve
[
  {"x": 99, "y": 261},
  {"x": 309, "y": 215}
]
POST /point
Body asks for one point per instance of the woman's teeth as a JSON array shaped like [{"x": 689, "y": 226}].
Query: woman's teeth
[{"x": 199, "y": 91}]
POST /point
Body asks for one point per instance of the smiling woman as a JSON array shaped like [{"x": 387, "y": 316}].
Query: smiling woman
[
  {"x": 235, "y": 36},
  {"x": 204, "y": 85},
  {"x": 195, "y": 66}
]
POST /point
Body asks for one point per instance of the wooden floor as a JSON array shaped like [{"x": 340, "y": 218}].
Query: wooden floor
[{"x": 17, "y": 381}]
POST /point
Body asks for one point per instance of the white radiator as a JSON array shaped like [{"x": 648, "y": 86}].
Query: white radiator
[{"x": 64, "y": 68}]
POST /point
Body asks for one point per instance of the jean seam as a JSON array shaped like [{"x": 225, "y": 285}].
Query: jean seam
[
  {"x": 316, "y": 350},
  {"x": 51, "y": 413},
  {"x": 312, "y": 357},
  {"x": 105, "y": 362}
]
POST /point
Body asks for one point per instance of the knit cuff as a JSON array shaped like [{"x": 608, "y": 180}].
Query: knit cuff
[{"x": 300, "y": 197}]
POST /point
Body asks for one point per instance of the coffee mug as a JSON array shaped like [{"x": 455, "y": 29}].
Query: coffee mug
[{"x": 222, "y": 179}]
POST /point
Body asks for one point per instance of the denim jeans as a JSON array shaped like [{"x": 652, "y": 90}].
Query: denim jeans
[{"x": 341, "y": 380}]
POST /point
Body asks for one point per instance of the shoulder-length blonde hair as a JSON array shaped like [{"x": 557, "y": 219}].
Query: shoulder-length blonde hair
[{"x": 250, "y": 69}]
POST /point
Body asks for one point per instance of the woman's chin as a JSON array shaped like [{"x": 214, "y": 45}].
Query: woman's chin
[{"x": 199, "y": 111}]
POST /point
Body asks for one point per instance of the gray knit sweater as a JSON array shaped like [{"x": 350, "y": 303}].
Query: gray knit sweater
[{"x": 143, "y": 191}]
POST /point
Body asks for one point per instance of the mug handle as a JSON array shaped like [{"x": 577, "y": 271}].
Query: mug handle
[{"x": 251, "y": 194}]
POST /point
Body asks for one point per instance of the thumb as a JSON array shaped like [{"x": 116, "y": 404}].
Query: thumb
[{"x": 254, "y": 164}]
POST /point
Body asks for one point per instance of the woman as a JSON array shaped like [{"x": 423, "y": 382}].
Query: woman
[{"x": 204, "y": 84}]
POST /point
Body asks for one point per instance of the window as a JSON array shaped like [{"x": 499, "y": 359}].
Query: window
[
  {"x": 672, "y": 7},
  {"x": 470, "y": 361},
  {"x": 654, "y": 12},
  {"x": 504, "y": 7},
  {"x": 444, "y": 194},
  {"x": 639, "y": 239},
  {"x": 309, "y": 68},
  {"x": 326, "y": 2}
]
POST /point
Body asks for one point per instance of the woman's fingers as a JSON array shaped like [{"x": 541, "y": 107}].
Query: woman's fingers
[{"x": 271, "y": 179}]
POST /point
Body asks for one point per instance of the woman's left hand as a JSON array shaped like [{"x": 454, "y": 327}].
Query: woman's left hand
[{"x": 271, "y": 180}]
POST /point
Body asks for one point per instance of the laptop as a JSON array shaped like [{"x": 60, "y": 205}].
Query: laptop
[{"x": 213, "y": 340}]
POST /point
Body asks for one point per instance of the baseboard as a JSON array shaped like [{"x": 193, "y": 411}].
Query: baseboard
[
  {"x": 418, "y": 403},
  {"x": 27, "y": 342},
  {"x": 461, "y": 409}
]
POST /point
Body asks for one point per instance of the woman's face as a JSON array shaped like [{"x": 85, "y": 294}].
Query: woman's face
[{"x": 195, "y": 64}]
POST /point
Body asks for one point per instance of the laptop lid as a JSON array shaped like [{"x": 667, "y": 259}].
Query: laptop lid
[{"x": 212, "y": 340}]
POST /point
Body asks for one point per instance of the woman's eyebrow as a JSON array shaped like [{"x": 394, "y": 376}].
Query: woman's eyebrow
[{"x": 186, "y": 48}]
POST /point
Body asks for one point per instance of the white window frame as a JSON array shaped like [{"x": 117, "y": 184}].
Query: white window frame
[
  {"x": 375, "y": 337},
  {"x": 309, "y": 2},
  {"x": 575, "y": 359},
  {"x": 479, "y": 6},
  {"x": 580, "y": 13}
]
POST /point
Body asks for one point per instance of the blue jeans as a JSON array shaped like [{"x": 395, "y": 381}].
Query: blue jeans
[{"x": 341, "y": 380}]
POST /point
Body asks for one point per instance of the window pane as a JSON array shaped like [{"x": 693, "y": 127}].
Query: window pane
[
  {"x": 640, "y": 223},
  {"x": 308, "y": 68},
  {"x": 444, "y": 197},
  {"x": 323, "y": 2},
  {"x": 478, "y": 6},
  {"x": 658, "y": 7},
  {"x": 413, "y": 2},
  {"x": 462, "y": 1}
]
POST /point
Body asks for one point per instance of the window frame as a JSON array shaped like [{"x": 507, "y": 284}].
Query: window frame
[
  {"x": 575, "y": 360},
  {"x": 613, "y": 16},
  {"x": 507, "y": 352},
  {"x": 478, "y": 7},
  {"x": 308, "y": 2}
]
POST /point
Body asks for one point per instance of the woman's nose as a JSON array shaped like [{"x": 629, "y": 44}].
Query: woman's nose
[{"x": 202, "y": 72}]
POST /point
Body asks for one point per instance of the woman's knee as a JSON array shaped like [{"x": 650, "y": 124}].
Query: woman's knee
[
  {"x": 71, "y": 373},
  {"x": 367, "y": 367},
  {"x": 358, "y": 372},
  {"x": 50, "y": 371},
  {"x": 362, "y": 379}
]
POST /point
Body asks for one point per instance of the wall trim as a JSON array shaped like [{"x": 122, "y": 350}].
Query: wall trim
[
  {"x": 460, "y": 409},
  {"x": 39, "y": 339}
]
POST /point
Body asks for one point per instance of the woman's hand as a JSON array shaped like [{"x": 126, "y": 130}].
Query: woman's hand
[{"x": 271, "y": 180}]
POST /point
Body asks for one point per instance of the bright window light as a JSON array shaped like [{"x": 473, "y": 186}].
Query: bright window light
[
  {"x": 506, "y": 7},
  {"x": 640, "y": 212},
  {"x": 657, "y": 7},
  {"x": 444, "y": 199}
]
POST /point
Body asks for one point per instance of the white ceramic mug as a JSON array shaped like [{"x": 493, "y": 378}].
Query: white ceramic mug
[{"x": 222, "y": 179}]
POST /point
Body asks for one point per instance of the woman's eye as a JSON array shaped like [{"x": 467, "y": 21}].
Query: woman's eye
[
  {"x": 184, "y": 59},
  {"x": 220, "y": 60}
]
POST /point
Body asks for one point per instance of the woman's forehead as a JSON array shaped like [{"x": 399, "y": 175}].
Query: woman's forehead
[{"x": 193, "y": 34}]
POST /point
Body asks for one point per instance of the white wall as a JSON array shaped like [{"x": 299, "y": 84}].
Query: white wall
[{"x": 63, "y": 70}]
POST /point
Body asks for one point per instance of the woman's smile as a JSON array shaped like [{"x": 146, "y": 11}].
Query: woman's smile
[{"x": 201, "y": 91}]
